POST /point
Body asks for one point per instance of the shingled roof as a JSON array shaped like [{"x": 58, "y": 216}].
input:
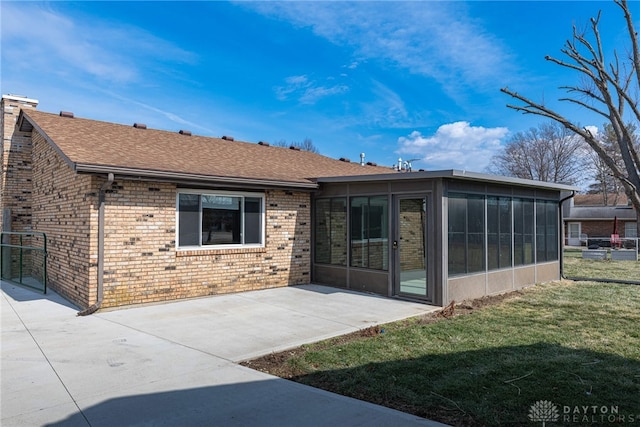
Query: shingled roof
[
  {"x": 598, "y": 200},
  {"x": 99, "y": 147}
]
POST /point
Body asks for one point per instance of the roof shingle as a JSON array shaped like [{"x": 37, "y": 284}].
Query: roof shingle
[{"x": 91, "y": 143}]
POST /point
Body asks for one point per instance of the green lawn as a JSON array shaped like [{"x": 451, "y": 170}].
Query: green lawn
[
  {"x": 575, "y": 266},
  {"x": 575, "y": 344}
]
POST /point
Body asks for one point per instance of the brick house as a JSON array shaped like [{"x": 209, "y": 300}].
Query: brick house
[
  {"x": 589, "y": 221},
  {"x": 135, "y": 215},
  {"x": 57, "y": 169}
]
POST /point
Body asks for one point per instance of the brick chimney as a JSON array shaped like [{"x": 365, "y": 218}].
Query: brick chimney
[
  {"x": 11, "y": 106},
  {"x": 15, "y": 176}
]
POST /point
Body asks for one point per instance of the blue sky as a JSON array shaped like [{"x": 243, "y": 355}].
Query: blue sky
[{"x": 415, "y": 80}]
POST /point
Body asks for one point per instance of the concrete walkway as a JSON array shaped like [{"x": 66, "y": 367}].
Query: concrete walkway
[{"x": 174, "y": 364}]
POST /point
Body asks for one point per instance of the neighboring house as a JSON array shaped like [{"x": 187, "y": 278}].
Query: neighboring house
[
  {"x": 588, "y": 221},
  {"x": 136, "y": 215}
]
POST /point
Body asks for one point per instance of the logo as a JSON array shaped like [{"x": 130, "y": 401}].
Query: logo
[{"x": 543, "y": 411}]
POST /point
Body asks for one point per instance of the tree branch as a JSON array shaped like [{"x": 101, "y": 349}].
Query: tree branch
[{"x": 611, "y": 89}]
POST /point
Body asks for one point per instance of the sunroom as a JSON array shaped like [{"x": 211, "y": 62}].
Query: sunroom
[{"x": 436, "y": 236}]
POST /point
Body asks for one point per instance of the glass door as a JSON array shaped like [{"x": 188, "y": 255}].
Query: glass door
[{"x": 411, "y": 247}]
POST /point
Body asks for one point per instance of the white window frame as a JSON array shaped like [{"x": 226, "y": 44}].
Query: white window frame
[
  {"x": 574, "y": 235},
  {"x": 242, "y": 194}
]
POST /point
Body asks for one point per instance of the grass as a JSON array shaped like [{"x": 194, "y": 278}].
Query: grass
[
  {"x": 571, "y": 343},
  {"x": 575, "y": 266}
]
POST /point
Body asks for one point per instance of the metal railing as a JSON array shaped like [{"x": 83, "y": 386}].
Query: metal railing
[{"x": 29, "y": 261}]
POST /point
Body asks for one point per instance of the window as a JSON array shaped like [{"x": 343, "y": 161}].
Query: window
[
  {"x": 370, "y": 232},
  {"x": 466, "y": 234},
  {"x": 516, "y": 231},
  {"x": 331, "y": 231},
  {"x": 546, "y": 231},
  {"x": 220, "y": 219},
  {"x": 630, "y": 229},
  {"x": 574, "y": 230},
  {"x": 498, "y": 232},
  {"x": 523, "y": 226}
]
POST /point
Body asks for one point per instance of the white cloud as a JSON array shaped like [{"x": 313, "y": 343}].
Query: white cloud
[
  {"x": 434, "y": 39},
  {"x": 387, "y": 109},
  {"x": 84, "y": 56},
  {"x": 307, "y": 91},
  {"x": 312, "y": 94},
  {"x": 593, "y": 129},
  {"x": 164, "y": 113},
  {"x": 77, "y": 48},
  {"x": 454, "y": 146},
  {"x": 293, "y": 84}
]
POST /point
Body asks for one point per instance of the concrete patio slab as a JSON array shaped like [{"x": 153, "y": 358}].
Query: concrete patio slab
[
  {"x": 242, "y": 326},
  {"x": 172, "y": 364}
]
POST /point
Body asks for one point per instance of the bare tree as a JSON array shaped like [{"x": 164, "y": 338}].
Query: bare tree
[
  {"x": 605, "y": 183},
  {"x": 606, "y": 88},
  {"x": 549, "y": 152},
  {"x": 306, "y": 144}
]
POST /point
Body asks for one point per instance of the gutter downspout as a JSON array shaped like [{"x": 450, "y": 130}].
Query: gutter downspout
[
  {"x": 101, "y": 208},
  {"x": 573, "y": 193}
]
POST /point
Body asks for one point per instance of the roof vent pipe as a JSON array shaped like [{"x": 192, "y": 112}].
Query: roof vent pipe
[
  {"x": 185, "y": 132},
  {"x": 67, "y": 114},
  {"x": 227, "y": 138},
  {"x": 362, "y": 159},
  {"x": 266, "y": 144},
  {"x": 344, "y": 159},
  {"x": 139, "y": 126},
  {"x": 293, "y": 147}
]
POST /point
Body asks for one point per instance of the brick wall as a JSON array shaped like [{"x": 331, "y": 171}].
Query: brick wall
[
  {"x": 64, "y": 207},
  {"x": 331, "y": 232},
  {"x": 373, "y": 254},
  {"x": 15, "y": 181},
  {"x": 339, "y": 237},
  {"x": 601, "y": 228},
  {"x": 412, "y": 242},
  {"x": 15, "y": 178},
  {"x": 142, "y": 263}
]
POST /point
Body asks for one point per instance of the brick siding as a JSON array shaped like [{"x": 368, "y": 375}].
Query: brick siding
[
  {"x": 15, "y": 182},
  {"x": 15, "y": 178},
  {"x": 331, "y": 237},
  {"x": 142, "y": 263},
  {"x": 412, "y": 242},
  {"x": 601, "y": 228},
  {"x": 64, "y": 207}
]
